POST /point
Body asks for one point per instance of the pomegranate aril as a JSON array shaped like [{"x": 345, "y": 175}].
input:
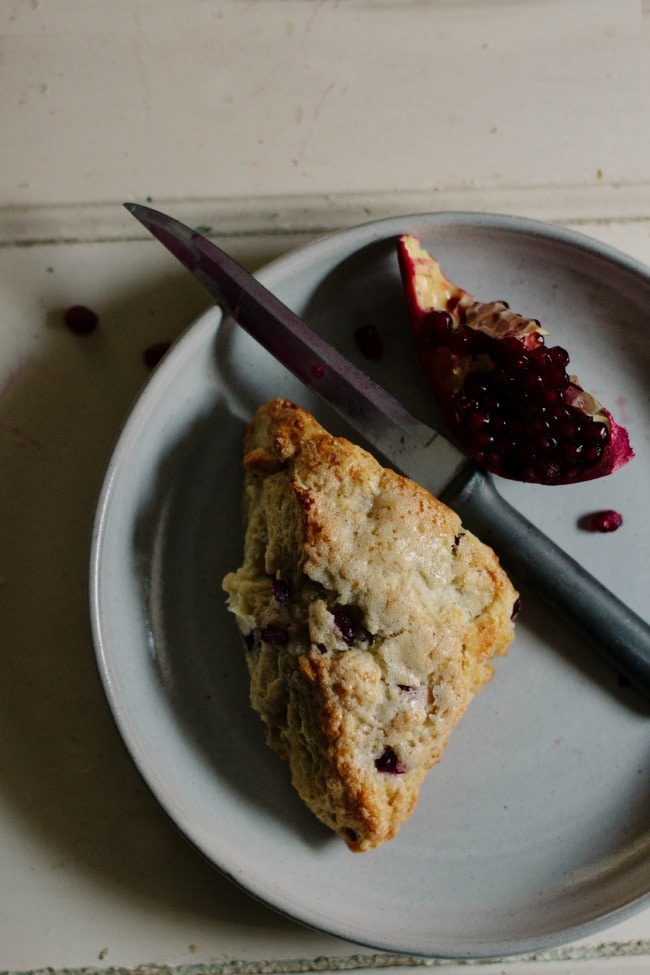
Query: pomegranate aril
[
  {"x": 548, "y": 470},
  {"x": 478, "y": 384},
  {"x": 532, "y": 382},
  {"x": 484, "y": 439},
  {"x": 569, "y": 428},
  {"x": 437, "y": 327},
  {"x": 545, "y": 444},
  {"x": 524, "y": 452},
  {"x": 555, "y": 379},
  {"x": 558, "y": 355},
  {"x": 515, "y": 428},
  {"x": 460, "y": 341},
  {"x": 477, "y": 421},
  {"x": 345, "y": 624},
  {"x": 602, "y": 521},
  {"x": 389, "y": 763},
  {"x": 509, "y": 348},
  {"x": 505, "y": 446},
  {"x": 280, "y": 590},
  {"x": 596, "y": 433},
  {"x": 559, "y": 412},
  {"x": 491, "y": 403},
  {"x": 81, "y": 320},
  {"x": 504, "y": 382},
  {"x": 572, "y": 452},
  {"x": 537, "y": 424},
  {"x": 275, "y": 635},
  {"x": 593, "y": 453},
  {"x": 518, "y": 365},
  {"x": 540, "y": 358},
  {"x": 466, "y": 404},
  {"x": 526, "y": 404},
  {"x": 544, "y": 398},
  {"x": 482, "y": 343}
]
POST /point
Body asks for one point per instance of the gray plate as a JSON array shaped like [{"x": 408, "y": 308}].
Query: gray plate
[{"x": 535, "y": 828}]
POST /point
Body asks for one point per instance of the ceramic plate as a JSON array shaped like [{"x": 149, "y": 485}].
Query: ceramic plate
[{"x": 535, "y": 828}]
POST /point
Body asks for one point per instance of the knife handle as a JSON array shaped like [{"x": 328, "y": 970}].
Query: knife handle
[{"x": 602, "y": 619}]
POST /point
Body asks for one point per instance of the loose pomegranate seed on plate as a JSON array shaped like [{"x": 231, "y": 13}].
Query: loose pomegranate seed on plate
[
  {"x": 81, "y": 320},
  {"x": 602, "y": 521}
]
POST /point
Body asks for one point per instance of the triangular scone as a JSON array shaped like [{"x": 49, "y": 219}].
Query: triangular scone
[{"x": 369, "y": 618}]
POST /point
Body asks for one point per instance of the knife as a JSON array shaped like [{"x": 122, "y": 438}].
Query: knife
[{"x": 416, "y": 450}]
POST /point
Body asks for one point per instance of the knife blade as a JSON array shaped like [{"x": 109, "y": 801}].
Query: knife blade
[{"x": 416, "y": 450}]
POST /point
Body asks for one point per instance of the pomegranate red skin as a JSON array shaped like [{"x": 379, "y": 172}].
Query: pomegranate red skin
[{"x": 427, "y": 291}]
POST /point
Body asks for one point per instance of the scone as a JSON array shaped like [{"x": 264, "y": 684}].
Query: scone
[{"x": 369, "y": 617}]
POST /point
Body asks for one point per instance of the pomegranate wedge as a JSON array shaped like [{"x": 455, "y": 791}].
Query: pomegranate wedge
[{"x": 505, "y": 394}]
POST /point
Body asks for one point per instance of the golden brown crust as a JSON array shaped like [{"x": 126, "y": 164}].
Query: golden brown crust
[{"x": 370, "y": 618}]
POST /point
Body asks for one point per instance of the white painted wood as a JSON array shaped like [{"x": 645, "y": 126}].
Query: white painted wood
[{"x": 236, "y": 98}]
